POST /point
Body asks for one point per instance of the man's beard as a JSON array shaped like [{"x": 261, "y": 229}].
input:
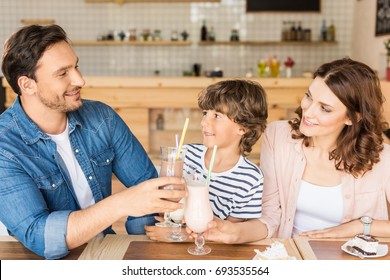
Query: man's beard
[{"x": 60, "y": 104}]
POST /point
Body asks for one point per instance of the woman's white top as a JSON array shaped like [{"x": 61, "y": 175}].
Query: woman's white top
[{"x": 318, "y": 207}]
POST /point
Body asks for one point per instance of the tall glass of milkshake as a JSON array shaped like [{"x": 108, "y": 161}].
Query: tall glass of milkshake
[
  {"x": 171, "y": 165},
  {"x": 198, "y": 212}
]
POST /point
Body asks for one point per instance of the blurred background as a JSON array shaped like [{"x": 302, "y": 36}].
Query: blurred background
[{"x": 90, "y": 20}]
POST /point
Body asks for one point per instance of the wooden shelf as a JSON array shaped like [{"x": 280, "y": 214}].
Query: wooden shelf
[
  {"x": 131, "y": 43},
  {"x": 41, "y": 21},
  {"x": 268, "y": 43},
  {"x": 188, "y": 43},
  {"x": 148, "y": 1}
]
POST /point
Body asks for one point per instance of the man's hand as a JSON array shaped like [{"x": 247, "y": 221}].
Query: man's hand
[{"x": 150, "y": 197}]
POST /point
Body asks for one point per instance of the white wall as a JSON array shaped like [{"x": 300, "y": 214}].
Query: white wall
[{"x": 366, "y": 47}]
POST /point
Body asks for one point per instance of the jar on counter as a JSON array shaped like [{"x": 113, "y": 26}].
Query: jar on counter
[
  {"x": 262, "y": 68},
  {"x": 274, "y": 66}
]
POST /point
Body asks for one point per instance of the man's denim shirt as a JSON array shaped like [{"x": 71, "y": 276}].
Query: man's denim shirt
[{"x": 36, "y": 193}]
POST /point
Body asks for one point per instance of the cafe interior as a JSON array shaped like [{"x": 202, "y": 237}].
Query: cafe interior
[{"x": 150, "y": 59}]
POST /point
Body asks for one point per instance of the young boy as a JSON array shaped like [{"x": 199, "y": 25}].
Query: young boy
[{"x": 234, "y": 117}]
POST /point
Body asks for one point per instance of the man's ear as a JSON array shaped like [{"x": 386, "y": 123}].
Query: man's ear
[{"x": 27, "y": 85}]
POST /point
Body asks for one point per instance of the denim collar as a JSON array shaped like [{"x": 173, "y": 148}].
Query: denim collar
[{"x": 29, "y": 130}]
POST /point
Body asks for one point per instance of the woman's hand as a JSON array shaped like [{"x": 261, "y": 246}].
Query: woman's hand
[{"x": 348, "y": 229}]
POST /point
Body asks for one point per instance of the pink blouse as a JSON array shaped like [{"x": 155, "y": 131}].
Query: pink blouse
[{"x": 283, "y": 162}]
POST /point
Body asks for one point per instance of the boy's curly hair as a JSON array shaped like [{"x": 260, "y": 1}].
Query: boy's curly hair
[{"x": 244, "y": 102}]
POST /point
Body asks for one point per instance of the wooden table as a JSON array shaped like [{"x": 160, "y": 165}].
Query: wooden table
[
  {"x": 11, "y": 249},
  {"x": 139, "y": 247},
  {"x": 330, "y": 249},
  {"x": 145, "y": 250}
]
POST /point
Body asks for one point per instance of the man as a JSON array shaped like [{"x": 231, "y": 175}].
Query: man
[{"x": 58, "y": 153}]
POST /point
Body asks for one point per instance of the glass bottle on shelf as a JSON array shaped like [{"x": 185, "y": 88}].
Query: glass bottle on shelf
[
  {"x": 299, "y": 34},
  {"x": 203, "y": 32},
  {"x": 331, "y": 32},
  {"x": 174, "y": 35},
  {"x": 307, "y": 35},
  {"x": 234, "y": 36},
  {"x": 133, "y": 35},
  {"x": 211, "y": 34},
  {"x": 288, "y": 31},
  {"x": 160, "y": 122},
  {"x": 146, "y": 35},
  {"x": 285, "y": 31},
  {"x": 293, "y": 32},
  {"x": 157, "y": 35},
  {"x": 324, "y": 31}
]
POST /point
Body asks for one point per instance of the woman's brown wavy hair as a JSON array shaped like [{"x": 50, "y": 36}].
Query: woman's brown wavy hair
[
  {"x": 244, "y": 102},
  {"x": 357, "y": 86}
]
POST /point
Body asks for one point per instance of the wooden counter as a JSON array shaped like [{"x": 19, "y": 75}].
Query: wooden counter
[{"x": 139, "y": 100}]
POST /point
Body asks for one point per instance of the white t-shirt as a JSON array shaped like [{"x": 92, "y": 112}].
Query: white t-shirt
[
  {"x": 3, "y": 230},
  {"x": 80, "y": 185},
  {"x": 318, "y": 207}
]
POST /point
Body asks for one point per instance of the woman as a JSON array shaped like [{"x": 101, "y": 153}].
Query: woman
[{"x": 326, "y": 171}]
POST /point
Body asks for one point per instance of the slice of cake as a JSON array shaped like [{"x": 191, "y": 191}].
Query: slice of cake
[
  {"x": 276, "y": 251},
  {"x": 365, "y": 244}
]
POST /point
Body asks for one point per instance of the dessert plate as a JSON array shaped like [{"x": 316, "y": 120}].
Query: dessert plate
[{"x": 382, "y": 251}]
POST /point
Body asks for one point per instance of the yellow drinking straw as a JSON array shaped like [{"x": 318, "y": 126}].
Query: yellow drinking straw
[
  {"x": 211, "y": 164},
  {"x": 182, "y": 137}
]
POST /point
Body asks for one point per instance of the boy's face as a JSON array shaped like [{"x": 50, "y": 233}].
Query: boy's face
[{"x": 218, "y": 129}]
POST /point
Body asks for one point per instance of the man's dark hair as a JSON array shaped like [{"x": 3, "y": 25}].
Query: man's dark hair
[{"x": 24, "y": 48}]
